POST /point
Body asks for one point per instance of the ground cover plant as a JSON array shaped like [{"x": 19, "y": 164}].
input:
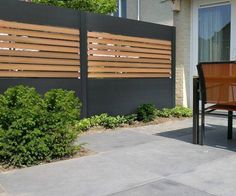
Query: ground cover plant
[
  {"x": 145, "y": 113},
  {"x": 34, "y": 129}
]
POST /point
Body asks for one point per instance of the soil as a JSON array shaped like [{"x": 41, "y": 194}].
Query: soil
[
  {"x": 157, "y": 121},
  {"x": 83, "y": 152}
]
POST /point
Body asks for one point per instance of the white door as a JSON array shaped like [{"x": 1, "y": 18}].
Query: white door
[{"x": 213, "y": 33}]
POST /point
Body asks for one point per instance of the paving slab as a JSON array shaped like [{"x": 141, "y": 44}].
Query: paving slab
[
  {"x": 163, "y": 188},
  {"x": 115, "y": 139},
  {"x": 150, "y": 160},
  {"x": 216, "y": 177}
]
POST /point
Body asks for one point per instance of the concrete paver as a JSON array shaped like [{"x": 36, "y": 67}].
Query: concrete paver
[{"x": 151, "y": 160}]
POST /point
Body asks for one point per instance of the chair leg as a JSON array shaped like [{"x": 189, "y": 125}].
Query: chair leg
[
  {"x": 202, "y": 124},
  {"x": 230, "y": 125}
]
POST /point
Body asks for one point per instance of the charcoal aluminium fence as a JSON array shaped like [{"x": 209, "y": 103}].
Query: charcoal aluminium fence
[{"x": 113, "y": 64}]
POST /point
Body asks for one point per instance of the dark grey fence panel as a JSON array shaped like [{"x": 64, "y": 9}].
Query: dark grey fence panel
[
  {"x": 123, "y": 96},
  {"x": 42, "y": 85},
  {"x": 12, "y": 10},
  {"x": 113, "y": 96},
  {"x": 15, "y": 10}
]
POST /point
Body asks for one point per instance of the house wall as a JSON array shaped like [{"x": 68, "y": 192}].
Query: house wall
[
  {"x": 132, "y": 9},
  {"x": 155, "y": 11},
  {"x": 182, "y": 21}
]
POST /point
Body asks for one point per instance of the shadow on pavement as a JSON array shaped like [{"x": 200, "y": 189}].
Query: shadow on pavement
[{"x": 216, "y": 136}]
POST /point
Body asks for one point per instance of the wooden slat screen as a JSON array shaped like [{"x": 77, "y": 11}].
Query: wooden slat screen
[
  {"x": 118, "y": 56},
  {"x": 28, "y": 50}
]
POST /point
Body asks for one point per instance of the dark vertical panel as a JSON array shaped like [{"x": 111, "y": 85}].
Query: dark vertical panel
[
  {"x": 121, "y": 26},
  {"x": 173, "y": 62},
  {"x": 84, "y": 62},
  {"x": 123, "y": 8},
  {"x": 123, "y": 96},
  {"x": 42, "y": 84},
  {"x": 32, "y": 13}
]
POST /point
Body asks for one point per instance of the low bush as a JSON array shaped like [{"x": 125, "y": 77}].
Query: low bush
[
  {"x": 83, "y": 125},
  {"x": 112, "y": 122},
  {"x": 146, "y": 112},
  {"x": 63, "y": 107},
  {"x": 177, "y": 112},
  {"x": 98, "y": 120},
  {"x": 130, "y": 119},
  {"x": 164, "y": 113},
  {"x": 34, "y": 129},
  {"x": 108, "y": 122}
]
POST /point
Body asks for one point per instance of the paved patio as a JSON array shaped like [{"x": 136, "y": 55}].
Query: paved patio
[{"x": 152, "y": 160}]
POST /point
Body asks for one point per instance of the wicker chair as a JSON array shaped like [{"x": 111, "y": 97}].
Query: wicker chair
[{"x": 218, "y": 88}]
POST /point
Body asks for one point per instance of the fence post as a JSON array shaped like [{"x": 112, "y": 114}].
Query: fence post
[
  {"x": 84, "y": 63},
  {"x": 173, "y": 69}
]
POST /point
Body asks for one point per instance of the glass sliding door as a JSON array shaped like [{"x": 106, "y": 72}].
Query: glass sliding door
[{"x": 214, "y": 27}]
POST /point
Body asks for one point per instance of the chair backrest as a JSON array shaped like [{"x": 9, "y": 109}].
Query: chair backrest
[{"x": 218, "y": 82}]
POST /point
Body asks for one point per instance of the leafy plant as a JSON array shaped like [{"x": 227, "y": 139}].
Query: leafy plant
[
  {"x": 98, "y": 120},
  {"x": 62, "y": 106},
  {"x": 165, "y": 113},
  {"x": 130, "y": 119},
  {"x": 83, "y": 125},
  {"x": 35, "y": 129},
  {"x": 112, "y": 122},
  {"x": 96, "y": 6},
  {"x": 179, "y": 111},
  {"x": 146, "y": 112}
]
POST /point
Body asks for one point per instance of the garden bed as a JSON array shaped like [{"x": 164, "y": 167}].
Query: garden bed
[{"x": 37, "y": 129}]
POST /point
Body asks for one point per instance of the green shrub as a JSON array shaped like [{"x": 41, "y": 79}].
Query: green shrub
[
  {"x": 29, "y": 134},
  {"x": 180, "y": 111},
  {"x": 130, "y": 119},
  {"x": 146, "y": 112},
  {"x": 164, "y": 113},
  {"x": 98, "y": 120},
  {"x": 63, "y": 106},
  {"x": 83, "y": 125},
  {"x": 112, "y": 122}
]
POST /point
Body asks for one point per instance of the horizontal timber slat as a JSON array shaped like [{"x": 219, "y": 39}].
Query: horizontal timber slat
[
  {"x": 26, "y": 74},
  {"x": 128, "y": 38},
  {"x": 128, "y": 48},
  {"x": 119, "y": 56},
  {"x": 129, "y": 54},
  {"x": 41, "y": 41},
  {"x": 114, "y": 75},
  {"x": 18, "y": 32},
  {"x": 131, "y": 70},
  {"x": 54, "y": 55},
  {"x": 31, "y": 50},
  {"x": 17, "y": 25},
  {"x": 39, "y": 47},
  {"x": 121, "y": 64},
  {"x": 19, "y": 60},
  {"x": 137, "y": 60},
  {"x": 126, "y": 43},
  {"x": 32, "y": 67}
]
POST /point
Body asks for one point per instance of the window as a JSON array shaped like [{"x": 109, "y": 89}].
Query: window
[
  {"x": 121, "y": 9},
  {"x": 214, "y": 33}
]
